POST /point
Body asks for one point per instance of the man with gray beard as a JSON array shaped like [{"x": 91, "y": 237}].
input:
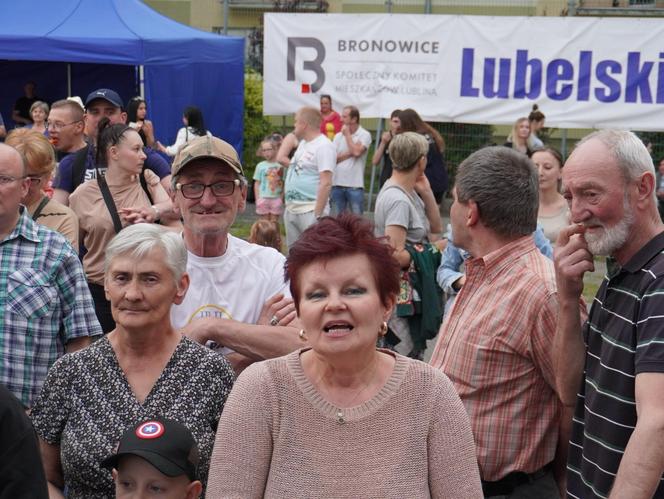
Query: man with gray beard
[{"x": 612, "y": 367}]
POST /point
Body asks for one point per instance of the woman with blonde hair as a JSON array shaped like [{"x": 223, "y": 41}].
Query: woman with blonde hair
[
  {"x": 40, "y": 164},
  {"x": 518, "y": 137},
  {"x": 39, "y": 114}
]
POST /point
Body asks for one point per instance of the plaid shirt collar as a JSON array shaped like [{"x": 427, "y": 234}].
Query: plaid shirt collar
[
  {"x": 493, "y": 263},
  {"x": 25, "y": 227}
]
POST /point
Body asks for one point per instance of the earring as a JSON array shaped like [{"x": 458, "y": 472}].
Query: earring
[
  {"x": 383, "y": 329},
  {"x": 302, "y": 335}
]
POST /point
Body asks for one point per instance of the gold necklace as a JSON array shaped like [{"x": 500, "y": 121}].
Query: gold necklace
[{"x": 358, "y": 391}]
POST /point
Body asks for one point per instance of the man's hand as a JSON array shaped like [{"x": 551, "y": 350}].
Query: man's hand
[
  {"x": 277, "y": 307},
  {"x": 198, "y": 330},
  {"x": 572, "y": 260},
  {"x": 386, "y": 137}
]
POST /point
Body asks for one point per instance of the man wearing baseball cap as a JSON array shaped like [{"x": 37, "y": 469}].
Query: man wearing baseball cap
[
  {"x": 78, "y": 167},
  {"x": 238, "y": 298},
  {"x": 156, "y": 454}
]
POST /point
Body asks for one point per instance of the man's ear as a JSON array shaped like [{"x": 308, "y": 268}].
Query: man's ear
[
  {"x": 244, "y": 188},
  {"x": 473, "y": 214}
]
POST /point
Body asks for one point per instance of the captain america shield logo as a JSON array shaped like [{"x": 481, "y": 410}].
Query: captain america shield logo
[{"x": 150, "y": 429}]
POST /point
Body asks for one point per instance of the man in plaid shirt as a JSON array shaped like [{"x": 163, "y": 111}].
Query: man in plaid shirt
[
  {"x": 495, "y": 344},
  {"x": 45, "y": 304}
]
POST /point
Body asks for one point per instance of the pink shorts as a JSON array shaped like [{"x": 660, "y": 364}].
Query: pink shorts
[{"x": 269, "y": 206}]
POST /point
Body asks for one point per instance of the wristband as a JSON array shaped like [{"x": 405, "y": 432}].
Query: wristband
[{"x": 157, "y": 213}]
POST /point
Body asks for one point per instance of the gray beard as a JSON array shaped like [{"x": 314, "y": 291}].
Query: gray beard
[{"x": 610, "y": 239}]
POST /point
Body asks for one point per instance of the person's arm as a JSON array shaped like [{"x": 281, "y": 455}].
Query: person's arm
[
  {"x": 258, "y": 342},
  {"x": 323, "y": 192},
  {"x": 380, "y": 148},
  {"x": 50, "y": 455},
  {"x": 423, "y": 188},
  {"x": 355, "y": 149},
  {"x": 77, "y": 344},
  {"x": 642, "y": 464},
  {"x": 16, "y": 116},
  {"x": 396, "y": 237},
  {"x": 448, "y": 276},
  {"x": 78, "y": 312},
  {"x": 148, "y": 130},
  {"x": 453, "y": 470},
  {"x": 180, "y": 139},
  {"x": 542, "y": 243},
  {"x": 287, "y": 145},
  {"x": 247, "y": 407},
  {"x": 572, "y": 260}
]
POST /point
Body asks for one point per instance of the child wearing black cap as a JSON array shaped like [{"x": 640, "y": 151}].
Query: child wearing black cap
[{"x": 156, "y": 457}]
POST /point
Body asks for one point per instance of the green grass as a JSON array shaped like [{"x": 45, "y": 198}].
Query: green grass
[{"x": 593, "y": 280}]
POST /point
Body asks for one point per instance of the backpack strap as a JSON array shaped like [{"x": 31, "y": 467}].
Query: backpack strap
[
  {"x": 108, "y": 199},
  {"x": 144, "y": 185},
  {"x": 44, "y": 201}
]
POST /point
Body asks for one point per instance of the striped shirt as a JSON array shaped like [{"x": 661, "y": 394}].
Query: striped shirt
[
  {"x": 495, "y": 346},
  {"x": 44, "y": 303},
  {"x": 624, "y": 336}
]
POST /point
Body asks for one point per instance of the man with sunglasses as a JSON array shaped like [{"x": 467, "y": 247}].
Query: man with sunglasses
[
  {"x": 238, "y": 298},
  {"x": 45, "y": 305}
]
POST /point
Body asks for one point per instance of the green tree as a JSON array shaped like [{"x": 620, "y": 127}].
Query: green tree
[{"x": 256, "y": 126}]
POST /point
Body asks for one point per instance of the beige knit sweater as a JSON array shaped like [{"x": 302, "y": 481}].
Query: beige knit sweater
[{"x": 278, "y": 438}]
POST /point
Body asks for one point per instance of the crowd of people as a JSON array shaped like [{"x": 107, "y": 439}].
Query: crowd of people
[{"x": 145, "y": 348}]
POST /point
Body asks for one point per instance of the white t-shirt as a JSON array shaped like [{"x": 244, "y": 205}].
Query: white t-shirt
[
  {"x": 350, "y": 172},
  {"x": 234, "y": 285},
  {"x": 303, "y": 175}
]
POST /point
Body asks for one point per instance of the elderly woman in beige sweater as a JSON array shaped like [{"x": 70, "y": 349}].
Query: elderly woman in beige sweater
[{"x": 339, "y": 417}]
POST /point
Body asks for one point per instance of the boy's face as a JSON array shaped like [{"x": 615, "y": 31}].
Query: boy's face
[{"x": 135, "y": 478}]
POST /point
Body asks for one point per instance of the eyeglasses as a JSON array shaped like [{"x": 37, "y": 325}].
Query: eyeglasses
[
  {"x": 34, "y": 179},
  {"x": 220, "y": 189},
  {"x": 58, "y": 125},
  {"x": 8, "y": 179}
]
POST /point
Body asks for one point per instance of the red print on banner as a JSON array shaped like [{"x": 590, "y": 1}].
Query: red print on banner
[{"x": 306, "y": 88}]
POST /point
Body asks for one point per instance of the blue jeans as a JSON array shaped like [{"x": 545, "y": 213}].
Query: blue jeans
[{"x": 347, "y": 199}]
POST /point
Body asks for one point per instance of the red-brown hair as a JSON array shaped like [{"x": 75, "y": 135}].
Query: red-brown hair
[{"x": 344, "y": 235}]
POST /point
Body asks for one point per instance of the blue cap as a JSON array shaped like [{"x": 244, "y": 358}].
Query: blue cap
[{"x": 106, "y": 94}]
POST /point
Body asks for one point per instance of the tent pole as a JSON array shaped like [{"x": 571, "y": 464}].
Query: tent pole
[
  {"x": 68, "y": 79},
  {"x": 141, "y": 81}
]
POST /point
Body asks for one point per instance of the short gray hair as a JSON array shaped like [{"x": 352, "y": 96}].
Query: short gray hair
[
  {"x": 504, "y": 184},
  {"x": 406, "y": 149},
  {"x": 139, "y": 239},
  {"x": 628, "y": 150}
]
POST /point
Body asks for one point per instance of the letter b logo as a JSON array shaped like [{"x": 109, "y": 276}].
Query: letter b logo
[{"x": 313, "y": 65}]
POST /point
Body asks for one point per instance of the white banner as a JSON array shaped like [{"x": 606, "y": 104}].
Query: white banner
[{"x": 582, "y": 72}]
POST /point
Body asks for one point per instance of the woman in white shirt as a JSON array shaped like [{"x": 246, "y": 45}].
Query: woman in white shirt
[{"x": 194, "y": 126}]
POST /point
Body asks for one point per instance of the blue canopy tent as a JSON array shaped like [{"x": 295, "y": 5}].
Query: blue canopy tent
[{"x": 81, "y": 45}]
